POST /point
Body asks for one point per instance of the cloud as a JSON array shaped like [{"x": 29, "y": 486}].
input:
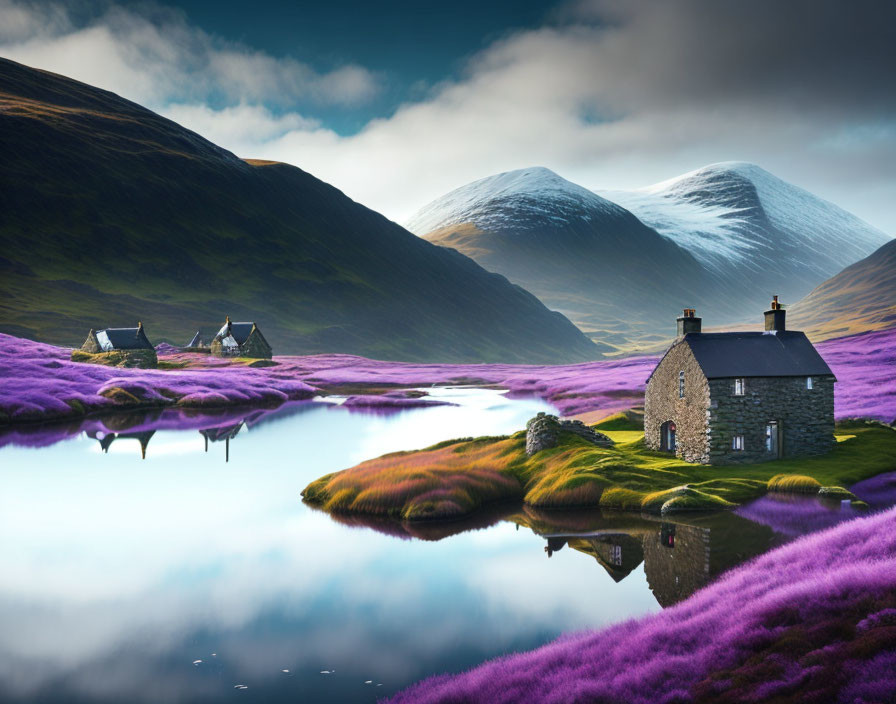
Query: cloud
[
  {"x": 610, "y": 94},
  {"x": 156, "y": 58}
]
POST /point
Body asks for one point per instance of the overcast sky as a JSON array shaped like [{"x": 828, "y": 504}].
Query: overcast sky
[{"x": 396, "y": 103}]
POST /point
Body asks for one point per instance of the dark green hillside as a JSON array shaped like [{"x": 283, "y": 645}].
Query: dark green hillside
[{"x": 111, "y": 214}]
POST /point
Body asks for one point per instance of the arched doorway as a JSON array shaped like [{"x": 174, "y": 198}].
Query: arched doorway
[{"x": 667, "y": 436}]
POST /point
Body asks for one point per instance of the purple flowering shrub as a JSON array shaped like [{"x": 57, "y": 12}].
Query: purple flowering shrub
[
  {"x": 810, "y": 621},
  {"x": 40, "y": 381}
]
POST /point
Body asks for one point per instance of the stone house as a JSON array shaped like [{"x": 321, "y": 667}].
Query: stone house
[
  {"x": 240, "y": 340},
  {"x": 111, "y": 339},
  {"x": 740, "y": 397},
  {"x": 119, "y": 346}
]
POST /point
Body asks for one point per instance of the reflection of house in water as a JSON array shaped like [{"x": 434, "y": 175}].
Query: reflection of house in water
[
  {"x": 106, "y": 439},
  {"x": 679, "y": 558},
  {"x": 617, "y": 552},
  {"x": 677, "y": 561},
  {"x": 225, "y": 433}
]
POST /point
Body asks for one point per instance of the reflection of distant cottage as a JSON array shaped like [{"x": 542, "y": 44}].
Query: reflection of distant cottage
[
  {"x": 106, "y": 440},
  {"x": 240, "y": 340},
  {"x": 225, "y": 433}
]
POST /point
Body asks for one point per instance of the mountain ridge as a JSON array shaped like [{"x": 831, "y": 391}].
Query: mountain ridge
[
  {"x": 729, "y": 233},
  {"x": 110, "y": 214},
  {"x": 860, "y": 298}
]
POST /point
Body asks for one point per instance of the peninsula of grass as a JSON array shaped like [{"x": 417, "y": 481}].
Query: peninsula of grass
[{"x": 457, "y": 477}]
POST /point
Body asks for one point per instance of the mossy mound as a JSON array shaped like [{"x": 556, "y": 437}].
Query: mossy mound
[
  {"x": 133, "y": 359},
  {"x": 682, "y": 498},
  {"x": 836, "y": 493},
  {"x": 794, "y": 484}
]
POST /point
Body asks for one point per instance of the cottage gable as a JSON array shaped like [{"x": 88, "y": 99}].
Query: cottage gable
[
  {"x": 240, "y": 340},
  {"x": 109, "y": 339}
]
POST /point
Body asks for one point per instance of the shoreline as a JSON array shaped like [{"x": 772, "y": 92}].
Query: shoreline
[{"x": 456, "y": 479}]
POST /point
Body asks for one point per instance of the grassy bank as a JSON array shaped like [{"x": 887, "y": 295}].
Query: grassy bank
[{"x": 457, "y": 477}]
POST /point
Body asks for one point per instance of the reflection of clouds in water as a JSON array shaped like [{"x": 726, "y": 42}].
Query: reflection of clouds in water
[
  {"x": 105, "y": 557},
  {"x": 484, "y": 412},
  {"x": 569, "y": 588},
  {"x": 365, "y": 590}
]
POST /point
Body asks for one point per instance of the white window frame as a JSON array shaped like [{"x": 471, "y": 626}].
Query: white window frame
[
  {"x": 809, "y": 383},
  {"x": 737, "y": 443},
  {"x": 681, "y": 384},
  {"x": 740, "y": 385}
]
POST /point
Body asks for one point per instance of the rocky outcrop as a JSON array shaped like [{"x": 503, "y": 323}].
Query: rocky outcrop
[{"x": 543, "y": 432}]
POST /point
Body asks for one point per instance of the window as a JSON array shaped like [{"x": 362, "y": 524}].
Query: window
[
  {"x": 773, "y": 438},
  {"x": 738, "y": 387},
  {"x": 809, "y": 383},
  {"x": 680, "y": 384},
  {"x": 737, "y": 443},
  {"x": 616, "y": 554}
]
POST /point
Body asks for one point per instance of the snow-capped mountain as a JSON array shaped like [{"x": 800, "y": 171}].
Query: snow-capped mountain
[
  {"x": 523, "y": 200},
  {"x": 753, "y": 228},
  {"x": 581, "y": 254},
  {"x": 620, "y": 264}
]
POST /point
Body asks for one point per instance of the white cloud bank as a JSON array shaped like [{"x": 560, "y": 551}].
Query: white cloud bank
[{"x": 612, "y": 95}]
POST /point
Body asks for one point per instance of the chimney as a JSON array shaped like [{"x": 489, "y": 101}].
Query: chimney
[
  {"x": 688, "y": 322},
  {"x": 774, "y": 317}
]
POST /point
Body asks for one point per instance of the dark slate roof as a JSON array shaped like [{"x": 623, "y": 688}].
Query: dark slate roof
[
  {"x": 240, "y": 331},
  {"x": 127, "y": 338},
  {"x": 735, "y": 354}
]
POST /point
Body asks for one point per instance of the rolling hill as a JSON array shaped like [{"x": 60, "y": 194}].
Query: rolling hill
[
  {"x": 862, "y": 297},
  {"x": 111, "y": 214},
  {"x": 591, "y": 259}
]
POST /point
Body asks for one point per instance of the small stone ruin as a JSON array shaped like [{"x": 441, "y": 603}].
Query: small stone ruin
[{"x": 543, "y": 432}]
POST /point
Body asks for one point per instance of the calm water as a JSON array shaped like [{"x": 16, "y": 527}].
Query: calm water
[{"x": 183, "y": 575}]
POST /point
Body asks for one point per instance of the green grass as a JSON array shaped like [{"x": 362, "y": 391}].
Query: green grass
[
  {"x": 794, "y": 484},
  {"x": 456, "y": 477}
]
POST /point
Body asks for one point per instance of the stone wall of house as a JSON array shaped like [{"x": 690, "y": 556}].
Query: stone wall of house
[
  {"x": 91, "y": 344},
  {"x": 805, "y": 418},
  {"x": 661, "y": 404},
  {"x": 255, "y": 347}
]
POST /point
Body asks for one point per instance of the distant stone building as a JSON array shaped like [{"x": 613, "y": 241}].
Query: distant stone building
[
  {"x": 196, "y": 343},
  {"x": 240, "y": 340},
  {"x": 126, "y": 347},
  {"x": 740, "y": 397}
]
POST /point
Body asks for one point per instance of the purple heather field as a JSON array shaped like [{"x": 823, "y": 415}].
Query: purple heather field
[
  {"x": 815, "y": 619},
  {"x": 40, "y": 382}
]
